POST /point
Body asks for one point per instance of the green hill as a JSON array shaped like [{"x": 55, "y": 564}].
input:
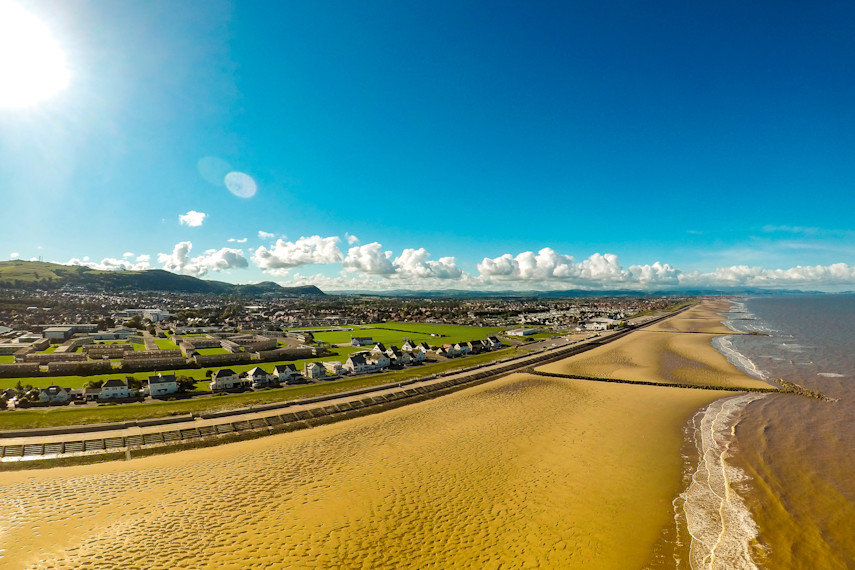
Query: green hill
[{"x": 19, "y": 274}]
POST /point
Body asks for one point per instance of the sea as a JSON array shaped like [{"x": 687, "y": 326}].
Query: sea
[{"x": 770, "y": 482}]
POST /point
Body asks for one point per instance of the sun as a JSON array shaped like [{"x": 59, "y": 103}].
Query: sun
[{"x": 32, "y": 66}]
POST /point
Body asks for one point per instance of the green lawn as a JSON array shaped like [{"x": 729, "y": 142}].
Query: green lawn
[
  {"x": 207, "y": 351},
  {"x": 19, "y": 419},
  {"x": 7, "y": 359},
  {"x": 394, "y": 333},
  {"x": 165, "y": 344}
]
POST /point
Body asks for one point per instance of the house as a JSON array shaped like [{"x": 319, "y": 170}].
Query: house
[
  {"x": 225, "y": 379},
  {"x": 408, "y": 345},
  {"x": 284, "y": 372},
  {"x": 314, "y": 370},
  {"x": 476, "y": 346},
  {"x": 258, "y": 377},
  {"x": 333, "y": 368},
  {"x": 357, "y": 363},
  {"x": 91, "y": 394},
  {"x": 462, "y": 348},
  {"x": 493, "y": 343},
  {"x": 381, "y": 361},
  {"x": 378, "y": 348},
  {"x": 423, "y": 347},
  {"x": 417, "y": 356},
  {"x": 161, "y": 385},
  {"x": 600, "y": 324},
  {"x": 54, "y": 394},
  {"x": 361, "y": 340},
  {"x": 114, "y": 388}
]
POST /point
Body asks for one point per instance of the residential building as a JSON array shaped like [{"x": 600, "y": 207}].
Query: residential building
[
  {"x": 54, "y": 394},
  {"x": 114, "y": 388},
  {"x": 162, "y": 385}
]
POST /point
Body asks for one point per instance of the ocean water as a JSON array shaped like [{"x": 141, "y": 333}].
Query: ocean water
[{"x": 774, "y": 486}]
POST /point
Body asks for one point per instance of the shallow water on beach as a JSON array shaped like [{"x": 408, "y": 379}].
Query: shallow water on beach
[
  {"x": 794, "y": 457},
  {"x": 521, "y": 472}
]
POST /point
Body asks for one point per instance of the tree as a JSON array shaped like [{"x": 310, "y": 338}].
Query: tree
[
  {"x": 135, "y": 322},
  {"x": 185, "y": 383}
]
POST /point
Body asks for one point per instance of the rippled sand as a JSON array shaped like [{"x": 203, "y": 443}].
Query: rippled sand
[
  {"x": 703, "y": 318},
  {"x": 522, "y": 472},
  {"x": 661, "y": 357}
]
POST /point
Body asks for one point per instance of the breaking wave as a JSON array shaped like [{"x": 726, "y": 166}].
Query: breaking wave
[{"x": 716, "y": 519}]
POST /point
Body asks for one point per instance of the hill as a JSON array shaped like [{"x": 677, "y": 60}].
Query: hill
[{"x": 20, "y": 274}]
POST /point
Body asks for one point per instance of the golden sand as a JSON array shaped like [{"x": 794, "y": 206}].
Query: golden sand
[
  {"x": 662, "y": 357},
  {"x": 702, "y": 318},
  {"x": 526, "y": 471}
]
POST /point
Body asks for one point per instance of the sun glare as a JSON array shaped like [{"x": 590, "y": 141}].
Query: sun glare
[{"x": 32, "y": 65}]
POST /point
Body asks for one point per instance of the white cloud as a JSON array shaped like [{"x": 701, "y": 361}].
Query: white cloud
[
  {"x": 14, "y": 255},
  {"x": 192, "y": 218},
  {"x": 351, "y": 239},
  {"x": 144, "y": 257},
  {"x": 236, "y": 240},
  {"x": 110, "y": 264},
  {"x": 369, "y": 258},
  {"x": 812, "y": 276},
  {"x": 128, "y": 254},
  {"x": 548, "y": 266},
  {"x": 265, "y": 235},
  {"x": 284, "y": 255},
  {"x": 415, "y": 263},
  {"x": 179, "y": 261}
]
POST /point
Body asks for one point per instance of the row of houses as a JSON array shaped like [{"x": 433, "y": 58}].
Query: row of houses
[{"x": 226, "y": 379}]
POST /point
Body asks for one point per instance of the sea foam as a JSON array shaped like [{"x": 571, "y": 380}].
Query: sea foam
[{"x": 716, "y": 518}]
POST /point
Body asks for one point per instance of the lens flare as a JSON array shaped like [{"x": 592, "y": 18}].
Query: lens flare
[{"x": 241, "y": 185}]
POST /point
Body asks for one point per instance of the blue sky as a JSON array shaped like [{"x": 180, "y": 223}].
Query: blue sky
[{"x": 484, "y": 145}]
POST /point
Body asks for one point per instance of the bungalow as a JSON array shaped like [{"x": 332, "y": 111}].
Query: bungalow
[
  {"x": 258, "y": 377},
  {"x": 284, "y": 372},
  {"x": 361, "y": 340},
  {"x": 314, "y": 370},
  {"x": 161, "y": 385},
  {"x": 54, "y": 394},
  {"x": 114, "y": 388},
  {"x": 225, "y": 379}
]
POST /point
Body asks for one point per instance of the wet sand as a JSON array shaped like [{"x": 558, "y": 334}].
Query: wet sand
[
  {"x": 526, "y": 471},
  {"x": 677, "y": 350}
]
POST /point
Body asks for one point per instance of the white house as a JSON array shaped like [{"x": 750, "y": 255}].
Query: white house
[
  {"x": 423, "y": 347},
  {"x": 161, "y": 385},
  {"x": 225, "y": 379},
  {"x": 258, "y": 377},
  {"x": 357, "y": 363},
  {"x": 114, "y": 388},
  {"x": 408, "y": 346},
  {"x": 284, "y": 372},
  {"x": 314, "y": 370},
  {"x": 378, "y": 349},
  {"x": 333, "y": 368},
  {"x": 54, "y": 394},
  {"x": 381, "y": 361},
  {"x": 462, "y": 348}
]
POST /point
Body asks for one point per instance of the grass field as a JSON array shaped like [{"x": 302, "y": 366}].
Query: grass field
[
  {"x": 7, "y": 359},
  {"x": 165, "y": 344},
  {"x": 394, "y": 333},
  {"x": 207, "y": 351},
  {"x": 20, "y": 419}
]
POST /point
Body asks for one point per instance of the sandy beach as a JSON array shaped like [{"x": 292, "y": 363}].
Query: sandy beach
[
  {"x": 525, "y": 471},
  {"x": 677, "y": 350}
]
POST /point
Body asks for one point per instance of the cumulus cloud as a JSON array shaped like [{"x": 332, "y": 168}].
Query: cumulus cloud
[
  {"x": 284, "y": 255},
  {"x": 415, "y": 263},
  {"x": 369, "y": 258},
  {"x": 351, "y": 239},
  {"x": 128, "y": 254},
  {"x": 547, "y": 266},
  {"x": 816, "y": 276},
  {"x": 14, "y": 255},
  {"x": 265, "y": 235},
  {"x": 179, "y": 261},
  {"x": 192, "y": 218},
  {"x": 236, "y": 240},
  {"x": 111, "y": 264}
]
